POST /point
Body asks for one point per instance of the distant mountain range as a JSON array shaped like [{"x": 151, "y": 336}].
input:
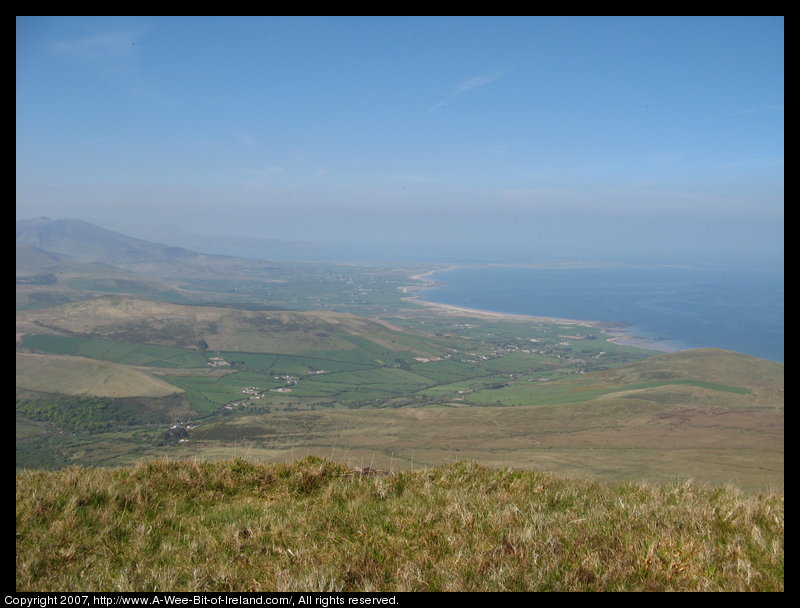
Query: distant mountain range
[
  {"x": 87, "y": 243},
  {"x": 226, "y": 244},
  {"x": 72, "y": 237}
]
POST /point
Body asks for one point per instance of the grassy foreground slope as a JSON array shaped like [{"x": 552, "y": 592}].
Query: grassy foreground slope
[{"x": 313, "y": 525}]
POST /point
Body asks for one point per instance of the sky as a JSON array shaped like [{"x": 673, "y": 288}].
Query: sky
[{"x": 440, "y": 138}]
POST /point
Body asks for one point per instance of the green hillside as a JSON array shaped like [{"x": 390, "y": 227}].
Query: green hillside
[
  {"x": 314, "y": 525},
  {"x": 81, "y": 395},
  {"x": 693, "y": 376},
  {"x": 703, "y": 364}
]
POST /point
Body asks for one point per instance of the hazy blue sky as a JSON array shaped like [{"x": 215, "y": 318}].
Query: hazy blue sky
[{"x": 537, "y": 137}]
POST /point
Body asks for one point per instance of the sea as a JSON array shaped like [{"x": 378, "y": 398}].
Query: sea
[{"x": 675, "y": 308}]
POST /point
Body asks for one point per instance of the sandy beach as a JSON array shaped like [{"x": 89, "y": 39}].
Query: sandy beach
[{"x": 615, "y": 331}]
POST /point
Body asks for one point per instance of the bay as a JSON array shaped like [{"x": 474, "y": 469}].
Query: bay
[{"x": 675, "y": 307}]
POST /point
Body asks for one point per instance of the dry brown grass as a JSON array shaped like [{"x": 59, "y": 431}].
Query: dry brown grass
[
  {"x": 83, "y": 376},
  {"x": 314, "y": 525}
]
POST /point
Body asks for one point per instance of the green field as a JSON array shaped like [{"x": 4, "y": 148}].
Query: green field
[
  {"x": 375, "y": 364},
  {"x": 531, "y": 392},
  {"x": 115, "y": 350}
]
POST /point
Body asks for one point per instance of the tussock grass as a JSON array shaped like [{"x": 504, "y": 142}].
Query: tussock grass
[{"x": 318, "y": 526}]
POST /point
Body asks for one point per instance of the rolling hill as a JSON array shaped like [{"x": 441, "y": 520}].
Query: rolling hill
[
  {"x": 703, "y": 364},
  {"x": 45, "y": 279},
  {"x": 213, "y": 328},
  {"x": 83, "y": 376},
  {"x": 702, "y": 375}
]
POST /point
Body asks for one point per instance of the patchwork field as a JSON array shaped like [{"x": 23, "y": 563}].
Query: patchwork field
[
  {"x": 421, "y": 390},
  {"x": 291, "y": 359}
]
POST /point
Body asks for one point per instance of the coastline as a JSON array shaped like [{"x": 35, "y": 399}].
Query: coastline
[{"x": 615, "y": 332}]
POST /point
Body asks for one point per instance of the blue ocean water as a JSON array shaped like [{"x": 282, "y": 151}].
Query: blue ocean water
[{"x": 681, "y": 307}]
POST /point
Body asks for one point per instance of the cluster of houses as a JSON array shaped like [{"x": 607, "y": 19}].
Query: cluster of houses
[
  {"x": 217, "y": 362},
  {"x": 179, "y": 432},
  {"x": 427, "y": 359}
]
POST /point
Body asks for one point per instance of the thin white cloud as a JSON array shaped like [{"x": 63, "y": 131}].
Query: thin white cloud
[
  {"x": 114, "y": 55},
  {"x": 110, "y": 52},
  {"x": 468, "y": 85}
]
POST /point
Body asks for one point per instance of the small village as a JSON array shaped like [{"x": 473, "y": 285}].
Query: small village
[
  {"x": 521, "y": 345},
  {"x": 217, "y": 362}
]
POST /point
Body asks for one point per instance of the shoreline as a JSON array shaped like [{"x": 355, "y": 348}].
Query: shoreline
[{"x": 614, "y": 331}]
